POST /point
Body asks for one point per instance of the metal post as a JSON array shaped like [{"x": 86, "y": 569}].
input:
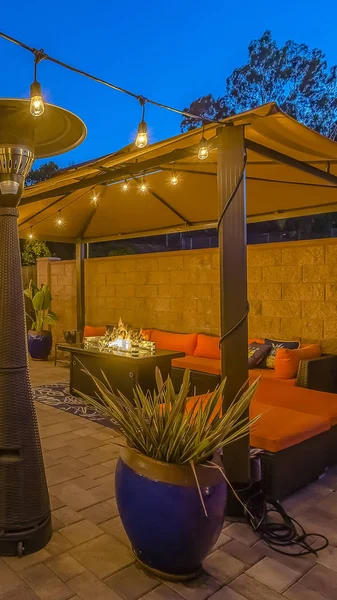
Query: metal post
[
  {"x": 233, "y": 286},
  {"x": 80, "y": 287}
]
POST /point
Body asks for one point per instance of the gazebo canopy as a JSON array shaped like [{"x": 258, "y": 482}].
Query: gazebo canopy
[{"x": 291, "y": 171}]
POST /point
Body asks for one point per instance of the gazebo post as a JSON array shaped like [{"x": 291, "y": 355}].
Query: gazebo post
[
  {"x": 80, "y": 287},
  {"x": 233, "y": 287}
]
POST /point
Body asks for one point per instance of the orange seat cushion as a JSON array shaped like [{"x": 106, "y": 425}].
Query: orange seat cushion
[
  {"x": 208, "y": 347},
  {"x": 90, "y": 331},
  {"x": 275, "y": 393},
  {"x": 196, "y": 363},
  {"x": 193, "y": 404},
  {"x": 268, "y": 374},
  {"x": 280, "y": 428},
  {"x": 147, "y": 333},
  {"x": 182, "y": 342},
  {"x": 287, "y": 361}
]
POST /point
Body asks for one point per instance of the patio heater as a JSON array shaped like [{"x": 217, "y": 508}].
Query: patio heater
[{"x": 25, "y": 521}]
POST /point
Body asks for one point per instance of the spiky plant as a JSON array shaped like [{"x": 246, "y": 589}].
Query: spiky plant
[{"x": 164, "y": 426}]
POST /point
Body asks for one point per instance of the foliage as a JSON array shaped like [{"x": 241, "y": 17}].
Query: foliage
[
  {"x": 41, "y": 301},
  {"x": 42, "y": 173},
  {"x": 158, "y": 425},
  {"x": 32, "y": 250},
  {"x": 296, "y": 78}
]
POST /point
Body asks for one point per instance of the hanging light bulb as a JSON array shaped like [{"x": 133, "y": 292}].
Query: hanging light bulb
[
  {"x": 143, "y": 185},
  {"x": 174, "y": 179},
  {"x": 125, "y": 186},
  {"x": 94, "y": 198},
  {"x": 36, "y": 99},
  {"x": 59, "y": 220},
  {"x": 142, "y": 137},
  {"x": 30, "y": 235},
  {"x": 203, "y": 149}
]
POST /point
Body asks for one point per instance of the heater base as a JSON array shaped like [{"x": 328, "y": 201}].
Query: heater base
[{"x": 20, "y": 543}]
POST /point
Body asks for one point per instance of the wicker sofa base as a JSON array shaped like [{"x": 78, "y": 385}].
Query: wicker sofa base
[
  {"x": 286, "y": 471},
  {"x": 200, "y": 383}
]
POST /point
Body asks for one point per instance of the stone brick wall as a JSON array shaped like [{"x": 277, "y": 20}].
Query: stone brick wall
[{"x": 292, "y": 288}]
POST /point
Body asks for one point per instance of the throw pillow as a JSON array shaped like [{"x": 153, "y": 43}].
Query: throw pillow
[
  {"x": 269, "y": 362},
  {"x": 287, "y": 361},
  {"x": 256, "y": 353}
]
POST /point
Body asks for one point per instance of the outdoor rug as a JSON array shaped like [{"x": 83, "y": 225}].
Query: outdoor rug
[{"x": 58, "y": 396}]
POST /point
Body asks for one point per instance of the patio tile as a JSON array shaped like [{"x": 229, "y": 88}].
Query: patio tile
[
  {"x": 313, "y": 521},
  {"x": 55, "y": 503},
  {"x": 111, "y": 464},
  {"x": 49, "y": 461},
  {"x": 73, "y": 463},
  {"x": 65, "y": 566},
  {"x": 100, "y": 513},
  {"x": 328, "y": 505},
  {"x": 253, "y": 590},
  {"x": 273, "y": 574},
  {"x": 67, "y": 515},
  {"x": 198, "y": 589},
  {"x": 46, "y": 584},
  {"x": 101, "y": 455},
  {"x": 162, "y": 593},
  {"x": 243, "y": 533},
  {"x": 81, "y": 532},
  {"x": 132, "y": 582},
  {"x": 87, "y": 587},
  {"x": 88, "y": 442},
  {"x": 84, "y": 482},
  {"x": 247, "y": 554},
  {"x": 221, "y": 541},
  {"x": 102, "y": 492},
  {"x": 95, "y": 471},
  {"x": 226, "y": 593},
  {"x": 67, "y": 450},
  {"x": 56, "y": 523},
  {"x": 321, "y": 580},
  {"x": 298, "y": 563},
  {"x": 56, "y": 429},
  {"x": 53, "y": 443},
  {"x": 23, "y": 592},
  {"x": 9, "y": 580},
  {"x": 115, "y": 528},
  {"x": 103, "y": 556},
  {"x": 59, "y": 473},
  {"x": 107, "y": 479},
  {"x": 75, "y": 496},
  {"x": 19, "y": 564},
  {"x": 328, "y": 558},
  {"x": 58, "y": 544},
  {"x": 223, "y": 566},
  {"x": 301, "y": 592}
]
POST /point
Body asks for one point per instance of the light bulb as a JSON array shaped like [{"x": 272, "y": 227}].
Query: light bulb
[
  {"x": 141, "y": 139},
  {"x": 174, "y": 179},
  {"x": 125, "y": 186},
  {"x": 59, "y": 220},
  {"x": 36, "y": 100},
  {"x": 94, "y": 198},
  {"x": 30, "y": 236},
  {"x": 203, "y": 149},
  {"x": 143, "y": 186}
]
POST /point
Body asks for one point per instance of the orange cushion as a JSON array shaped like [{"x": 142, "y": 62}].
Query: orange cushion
[
  {"x": 280, "y": 428},
  {"x": 196, "y": 363},
  {"x": 194, "y": 403},
  {"x": 268, "y": 374},
  {"x": 287, "y": 361},
  {"x": 321, "y": 404},
  {"x": 90, "y": 331},
  {"x": 182, "y": 342},
  {"x": 147, "y": 333},
  {"x": 208, "y": 346}
]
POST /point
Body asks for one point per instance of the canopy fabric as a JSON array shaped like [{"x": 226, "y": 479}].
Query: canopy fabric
[{"x": 277, "y": 185}]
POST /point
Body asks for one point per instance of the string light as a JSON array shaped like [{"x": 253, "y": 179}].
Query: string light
[
  {"x": 36, "y": 99},
  {"x": 94, "y": 198},
  {"x": 143, "y": 186},
  {"x": 174, "y": 179},
  {"x": 142, "y": 137},
  {"x": 59, "y": 220},
  {"x": 125, "y": 186},
  {"x": 203, "y": 147},
  {"x": 30, "y": 235}
]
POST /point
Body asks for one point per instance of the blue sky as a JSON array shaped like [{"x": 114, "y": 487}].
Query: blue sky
[{"x": 171, "y": 51}]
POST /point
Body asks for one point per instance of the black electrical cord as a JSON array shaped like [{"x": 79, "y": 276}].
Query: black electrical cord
[{"x": 281, "y": 533}]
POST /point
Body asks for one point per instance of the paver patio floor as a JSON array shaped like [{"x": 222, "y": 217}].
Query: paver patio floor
[{"x": 89, "y": 557}]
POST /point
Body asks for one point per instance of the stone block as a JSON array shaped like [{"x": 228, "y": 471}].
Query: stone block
[
  {"x": 207, "y": 276},
  {"x": 330, "y": 329},
  {"x": 197, "y": 291},
  {"x": 331, "y": 253},
  {"x": 154, "y": 277},
  {"x": 264, "y": 326},
  {"x": 319, "y": 310},
  {"x": 115, "y": 278},
  {"x": 185, "y": 277},
  {"x": 282, "y": 274},
  {"x": 216, "y": 260},
  {"x": 135, "y": 277},
  {"x": 281, "y": 308},
  {"x": 158, "y": 304},
  {"x": 126, "y": 290},
  {"x": 303, "y": 255},
  {"x": 170, "y": 321},
  {"x": 265, "y": 291},
  {"x": 125, "y": 265},
  {"x": 146, "y": 264},
  {"x": 254, "y": 274},
  {"x": 181, "y": 305},
  {"x": 99, "y": 278},
  {"x": 135, "y": 303},
  {"x": 197, "y": 261},
  {"x": 331, "y": 291},
  {"x": 171, "y": 263},
  {"x": 116, "y": 303},
  {"x": 70, "y": 268},
  {"x": 303, "y": 291},
  {"x": 293, "y": 329},
  {"x": 255, "y": 308},
  {"x": 170, "y": 291},
  {"x": 105, "y": 266},
  {"x": 53, "y": 281},
  {"x": 257, "y": 257},
  {"x": 144, "y": 291},
  {"x": 320, "y": 273},
  {"x": 106, "y": 291},
  {"x": 329, "y": 346},
  {"x": 64, "y": 279},
  {"x": 56, "y": 268}
]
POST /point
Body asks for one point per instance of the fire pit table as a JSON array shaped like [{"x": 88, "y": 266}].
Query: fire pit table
[{"x": 123, "y": 371}]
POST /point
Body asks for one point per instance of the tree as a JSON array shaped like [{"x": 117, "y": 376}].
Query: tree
[
  {"x": 32, "y": 250},
  {"x": 296, "y": 78},
  {"x": 42, "y": 173}
]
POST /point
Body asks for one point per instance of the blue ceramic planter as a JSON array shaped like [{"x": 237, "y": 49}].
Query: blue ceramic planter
[
  {"x": 39, "y": 344},
  {"x": 163, "y": 516}
]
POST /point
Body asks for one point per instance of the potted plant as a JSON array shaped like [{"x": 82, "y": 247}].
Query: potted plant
[
  {"x": 40, "y": 339},
  {"x": 170, "y": 488}
]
